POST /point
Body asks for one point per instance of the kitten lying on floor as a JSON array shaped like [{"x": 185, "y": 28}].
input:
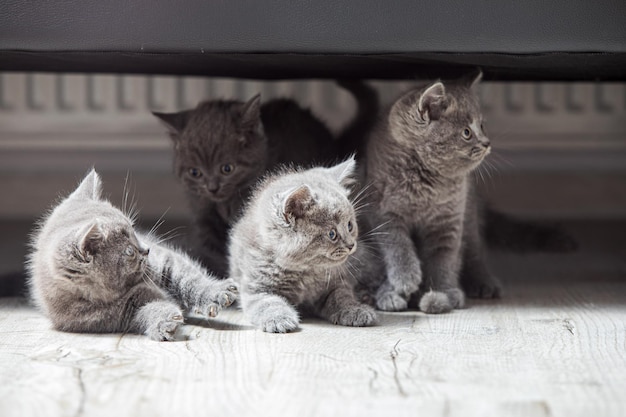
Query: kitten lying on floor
[
  {"x": 90, "y": 271},
  {"x": 292, "y": 249},
  {"x": 418, "y": 161},
  {"x": 223, "y": 147}
]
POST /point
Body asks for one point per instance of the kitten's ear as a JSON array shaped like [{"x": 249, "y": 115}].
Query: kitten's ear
[
  {"x": 175, "y": 122},
  {"x": 91, "y": 238},
  {"x": 472, "y": 80},
  {"x": 344, "y": 172},
  {"x": 251, "y": 112},
  {"x": 297, "y": 203},
  {"x": 90, "y": 187},
  {"x": 432, "y": 102}
]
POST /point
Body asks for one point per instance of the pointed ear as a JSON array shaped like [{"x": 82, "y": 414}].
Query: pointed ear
[
  {"x": 175, "y": 122},
  {"x": 472, "y": 80},
  {"x": 478, "y": 77},
  {"x": 251, "y": 112},
  {"x": 90, "y": 240},
  {"x": 344, "y": 172},
  {"x": 432, "y": 102},
  {"x": 297, "y": 203},
  {"x": 90, "y": 187}
]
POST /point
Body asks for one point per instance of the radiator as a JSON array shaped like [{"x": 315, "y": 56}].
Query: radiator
[{"x": 61, "y": 124}]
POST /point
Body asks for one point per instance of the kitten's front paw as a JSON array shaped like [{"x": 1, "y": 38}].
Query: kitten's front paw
[
  {"x": 218, "y": 295},
  {"x": 227, "y": 294},
  {"x": 456, "y": 297},
  {"x": 278, "y": 319},
  {"x": 280, "y": 324},
  {"x": 390, "y": 301},
  {"x": 486, "y": 289},
  {"x": 164, "y": 330},
  {"x": 358, "y": 316},
  {"x": 435, "y": 302}
]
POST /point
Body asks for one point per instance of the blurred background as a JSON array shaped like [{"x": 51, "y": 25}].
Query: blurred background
[{"x": 559, "y": 148}]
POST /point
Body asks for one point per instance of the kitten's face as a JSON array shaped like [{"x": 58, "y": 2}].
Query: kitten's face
[
  {"x": 324, "y": 226},
  {"x": 220, "y": 149},
  {"x": 445, "y": 129},
  {"x": 329, "y": 235},
  {"x": 111, "y": 257}
]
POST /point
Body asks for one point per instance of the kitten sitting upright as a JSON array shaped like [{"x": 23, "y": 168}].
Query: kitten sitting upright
[
  {"x": 418, "y": 161},
  {"x": 292, "y": 247},
  {"x": 222, "y": 148},
  {"x": 90, "y": 271}
]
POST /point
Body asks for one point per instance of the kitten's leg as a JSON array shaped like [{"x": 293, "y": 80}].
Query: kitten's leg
[
  {"x": 211, "y": 255},
  {"x": 190, "y": 283},
  {"x": 339, "y": 306},
  {"x": 442, "y": 262},
  {"x": 403, "y": 268},
  {"x": 475, "y": 277},
  {"x": 270, "y": 312},
  {"x": 158, "y": 320},
  {"x": 143, "y": 310},
  {"x": 149, "y": 312}
]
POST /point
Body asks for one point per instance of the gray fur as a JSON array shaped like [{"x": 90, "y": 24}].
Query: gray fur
[
  {"x": 249, "y": 137},
  {"x": 90, "y": 271},
  {"x": 284, "y": 258},
  {"x": 418, "y": 164}
]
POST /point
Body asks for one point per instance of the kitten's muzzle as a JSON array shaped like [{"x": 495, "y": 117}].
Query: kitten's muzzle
[{"x": 343, "y": 252}]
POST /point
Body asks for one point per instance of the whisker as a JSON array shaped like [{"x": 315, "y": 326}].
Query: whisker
[
  {"x": 159, "y": 222},
  {"x": 169, "y": 235},
  {"x": 379, "y": 226},
  {"x": 502, "y": 159}
]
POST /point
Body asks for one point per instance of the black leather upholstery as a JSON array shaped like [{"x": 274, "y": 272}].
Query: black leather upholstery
[{"x": 535, "y": 39}]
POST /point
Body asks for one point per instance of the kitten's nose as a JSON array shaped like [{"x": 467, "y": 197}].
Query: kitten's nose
[
  {"x": 485, "y": 142},
  {"x": 350, "y": 246},
  {"x": 144, "y": 251},
  {"x": 212, "y": 186}
]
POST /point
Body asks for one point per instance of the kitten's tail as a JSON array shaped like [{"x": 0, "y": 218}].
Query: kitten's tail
[
  {"x": 353, "y": 137},
  {"x": 509, "y": 233}
]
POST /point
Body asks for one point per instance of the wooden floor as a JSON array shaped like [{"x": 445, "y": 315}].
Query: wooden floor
[
  {"x": 554, "y": 346},
  {"x": 546, "y": 350}
]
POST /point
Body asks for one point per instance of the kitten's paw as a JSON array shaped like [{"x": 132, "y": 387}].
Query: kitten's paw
[
  {"x": 435, "y": 302},
  {"x": 485, "y": 289},
  {"x": 283, "y": 323},
  {"x": 227, "y": 294},
  {"x": 456, "y": 297},
  {"x": 357, "y": 316},
  {"x": 390, "y": 301},
  {"x": 218, "y": 295},
  {"x": 164, "y": 330}
]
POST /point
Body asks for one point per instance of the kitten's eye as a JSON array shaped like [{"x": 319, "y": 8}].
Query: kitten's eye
[
  {"x": 332, "y": 234},
  {"x": 227, "y": 169},
  {"x": 350, "y": 227},
  {"x": 129, "y": 251},
  {"x": 467, "y": 133},
  {"x": 195, "y": 172}
]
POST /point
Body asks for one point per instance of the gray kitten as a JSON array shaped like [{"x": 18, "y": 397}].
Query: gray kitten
[
  {"x": 418, "y": 162},
  {"x": 292, "y": 249},
  {"x": 90, "y": 271},
  {"x": 222, "y": 148}
]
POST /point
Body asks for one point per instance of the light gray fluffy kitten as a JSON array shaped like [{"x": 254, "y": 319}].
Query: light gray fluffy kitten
[
  {"x": 291, "y": 249},
  {"x": 418, "y": 163},
  {"x": 90, "y": 271}
]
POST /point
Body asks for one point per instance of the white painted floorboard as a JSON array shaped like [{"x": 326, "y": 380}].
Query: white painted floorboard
[{"x": 547, "y": 349}]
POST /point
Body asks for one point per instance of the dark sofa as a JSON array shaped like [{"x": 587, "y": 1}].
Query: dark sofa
[{"x": 510, "y": 40}]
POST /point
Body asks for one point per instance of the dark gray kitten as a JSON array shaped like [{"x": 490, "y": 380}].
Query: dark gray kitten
[
  {"x": 292, "y": 248},
  {"x": 418, "y": 162},
  {"x": 90, "y": 271},
  {"x": 222, "y": 148}
]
